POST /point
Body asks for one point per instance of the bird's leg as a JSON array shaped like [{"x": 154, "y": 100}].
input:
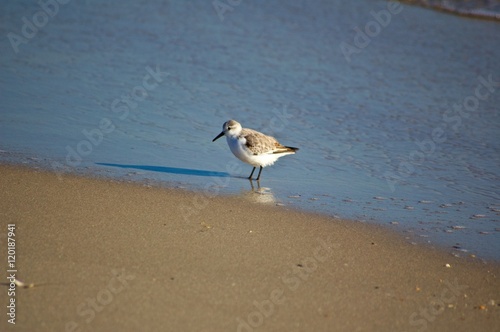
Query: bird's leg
[
  {"x": 250, "y": 177},
  {"x": 260, "y": 171},
  {"x": 251, "y": 184}
]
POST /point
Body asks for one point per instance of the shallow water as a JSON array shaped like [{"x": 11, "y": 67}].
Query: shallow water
[{"x": 137, "y": 90}]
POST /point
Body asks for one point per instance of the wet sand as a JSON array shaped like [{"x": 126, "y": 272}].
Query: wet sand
[{"x": 105, "y": 256}]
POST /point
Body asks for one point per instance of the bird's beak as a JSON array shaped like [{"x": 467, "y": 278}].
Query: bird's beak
[{"x": 218, "y": 136}]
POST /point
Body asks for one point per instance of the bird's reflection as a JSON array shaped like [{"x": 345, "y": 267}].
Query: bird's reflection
[{"x": 258, "y": 194}]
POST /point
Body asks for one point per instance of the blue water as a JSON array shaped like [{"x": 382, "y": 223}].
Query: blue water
[{"x": 137, "y": 90}]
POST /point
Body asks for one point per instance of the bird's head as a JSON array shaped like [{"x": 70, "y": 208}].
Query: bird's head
[{"x": 229, "y": 128}]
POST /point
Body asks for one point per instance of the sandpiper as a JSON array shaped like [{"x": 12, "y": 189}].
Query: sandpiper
[{"x": 253, "y": 147}]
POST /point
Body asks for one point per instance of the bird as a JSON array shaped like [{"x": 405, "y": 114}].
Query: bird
[{"x": 253, "y": 147}]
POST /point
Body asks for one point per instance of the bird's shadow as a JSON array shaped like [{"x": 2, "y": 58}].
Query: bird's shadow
[{"x": 171, "y": 170}]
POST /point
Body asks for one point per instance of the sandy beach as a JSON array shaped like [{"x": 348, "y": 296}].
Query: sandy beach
[{"x": 99, "y": 255}]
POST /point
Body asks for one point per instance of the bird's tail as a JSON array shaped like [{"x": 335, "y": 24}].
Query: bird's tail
[{"x": 286, "y": 149}]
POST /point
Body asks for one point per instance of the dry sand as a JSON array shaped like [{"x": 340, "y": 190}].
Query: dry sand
[{"x": 109, "y": 256}]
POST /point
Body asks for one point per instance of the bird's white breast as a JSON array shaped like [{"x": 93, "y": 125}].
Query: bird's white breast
[{"x": 239, "y": 149}]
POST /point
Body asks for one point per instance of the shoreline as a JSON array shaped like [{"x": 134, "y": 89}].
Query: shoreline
[
  {"x": 475, "y": 13},
  {"x": 410, "y": 236},
  {"x": 103, "y": 254}
]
